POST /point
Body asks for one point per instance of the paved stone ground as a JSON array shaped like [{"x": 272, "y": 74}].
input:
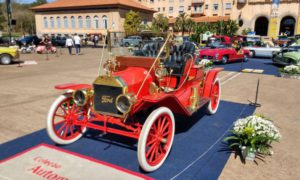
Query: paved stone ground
[{"x": 27, "y": 93}]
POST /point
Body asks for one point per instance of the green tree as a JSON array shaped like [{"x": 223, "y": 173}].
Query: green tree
[
  {"x": 132, "y": 22},
  {"x": 180, "y": 23},
  {"x": 245, "y": 31},
  {"x": 2, "y": 18},
  {"x": 190, "y": 25},
  {"x": 231, "y": 27},
  {"x": 38, "y": 2},
  {"x": 160, "y": 23}
]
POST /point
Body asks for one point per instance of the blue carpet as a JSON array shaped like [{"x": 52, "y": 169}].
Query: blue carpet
[
  {"x": 253, "y": 63},
  {"x": 198, "y": 151}
]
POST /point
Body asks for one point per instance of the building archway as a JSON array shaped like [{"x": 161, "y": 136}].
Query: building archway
[
  {"x": 261, "y": 26},
  {"x": 287, "y": 25}
]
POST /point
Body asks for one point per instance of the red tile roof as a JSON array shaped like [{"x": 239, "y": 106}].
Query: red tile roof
[
  {"x": 204, "y": 19},
  {"x": 73, "y": 4}
]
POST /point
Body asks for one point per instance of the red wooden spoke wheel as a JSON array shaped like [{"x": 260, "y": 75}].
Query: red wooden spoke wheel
[
  {"x": 61, "y": 120},
  {"x": 156, "y": 139},
  {"x": 214, "y": 97}
]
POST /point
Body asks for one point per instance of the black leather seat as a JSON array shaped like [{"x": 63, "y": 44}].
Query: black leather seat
[
  {"x": 179, "y": 54},
  {"x": 150, "y": 49}
]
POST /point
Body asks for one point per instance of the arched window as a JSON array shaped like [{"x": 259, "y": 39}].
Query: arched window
[
  {"x": 66, "y": 22},
  {"x": 104, "y": 22},
  {"x": 58, "y": 23},
  {"x": 96, "y": 22},
  {"x": 88, "y": 22},
  {"x": 52, "y": 22},
  {"x": 45, "y": 22},
  {"x": 80, "y": 22},
  {"x": 72, "y": 22}
]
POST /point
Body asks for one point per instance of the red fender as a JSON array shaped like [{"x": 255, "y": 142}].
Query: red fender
[
  {"x": 73, "y": 86},
  {"x": 209, "y": 80}
]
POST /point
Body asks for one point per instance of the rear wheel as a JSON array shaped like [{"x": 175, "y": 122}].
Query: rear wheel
[
  {"x": 126, "y": 44},
  {"x": 5, "y": 59},
  {"x": 224, "y": 59},
  {"x": 156, "y": 139},
  {"x": 62, "y": 116},
  {"x": 215, "y": 95}
]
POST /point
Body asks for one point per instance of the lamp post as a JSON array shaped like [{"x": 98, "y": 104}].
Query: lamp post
[
  {"x": 222, "y": 7},
  {"x": 8, "y": 9}
]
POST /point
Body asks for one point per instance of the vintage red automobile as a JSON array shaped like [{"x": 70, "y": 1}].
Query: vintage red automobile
[
  {"x": 224, "y": 54},
  {"x": 137, "y": 97}
]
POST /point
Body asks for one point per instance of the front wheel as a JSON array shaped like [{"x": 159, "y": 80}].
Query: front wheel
[
  {"x": 62, "y": 116},
  {"x": 5, "y": 59},
  {"x": 156, "y": 139},
  {"x": 215, "y": 95},
  {"x": 224, "y": 59},
  {"x": 246, "y": 57}
]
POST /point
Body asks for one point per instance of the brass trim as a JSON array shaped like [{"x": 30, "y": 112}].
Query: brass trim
[
  {"x": 85, "y": 97},
  {"x": 153, "y": 88},
  {"x": 194, "y": 98},
  {"x": 131, "y": 99},
  {"x": 114, "y": 81}
]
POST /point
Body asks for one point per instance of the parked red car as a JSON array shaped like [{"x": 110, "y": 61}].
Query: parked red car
[
  {"x": 224, "y": 55},
  {"x": 137, "y": 97}
]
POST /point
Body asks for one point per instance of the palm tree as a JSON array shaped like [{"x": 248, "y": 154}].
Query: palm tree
[
  {"x": 190, "y": 25},
  {"x": 231, "y": 27},
  {"x": 180, "y": 23},
  {"x": 160, "y": 23}
]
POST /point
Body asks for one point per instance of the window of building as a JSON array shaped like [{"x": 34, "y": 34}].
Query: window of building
[
  {"x": 215, "y": 14},
  {"x": 206, "y": 6},
  {"x": 171, "y": 10},
  {"x": 189, "y": 7},
  {"x": 72, "y": 22},
  {"x": 158, "y": 9},
  {"x": 171, "y": 0},
  {"x": 181, "y": 9},
  {"x": 228, "y": 6},
  {"x": 96, "y": 22},
  {"x": 104, "y": 22},
  {"x": 80, "y": 22},
  {"x": 181, "y": 0},
  {"x": 58, "y": 23},
  {"x": 88, "y": 22},
  {"x": 66, "y": 22},
  {"x": 164, "y": 9},
  {"x": 45, "y": 22},
  {"x": 215, "y": 7},
  {"x": 151, "y": 1},
  {"x": 227, "y": 14},
  {"x": 52, "y": 22}
]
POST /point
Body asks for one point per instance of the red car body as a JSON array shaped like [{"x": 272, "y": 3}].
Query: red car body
[
  {"x": 133, "y": 89},
  {"x": 224, "y": 55}
]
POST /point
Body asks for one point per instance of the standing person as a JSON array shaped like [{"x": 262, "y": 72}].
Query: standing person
[
  {"x": 77, "y": 42},
  {"x": 96, "y": 40},
  {"x": 69, "y": 44}
]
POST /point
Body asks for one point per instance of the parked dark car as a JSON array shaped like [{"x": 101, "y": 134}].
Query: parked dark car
[
  {"x": 28, "y": 40},
  {"x": 58, "y": 41}
]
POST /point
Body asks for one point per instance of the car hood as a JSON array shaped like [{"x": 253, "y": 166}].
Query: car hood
[
  {"x": 7, "y": 50},
  {"x": 292, "y": 55}
]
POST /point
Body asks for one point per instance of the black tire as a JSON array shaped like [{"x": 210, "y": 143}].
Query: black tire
[
  {"x": 126, "y": 44},
  {"x": 5, "y": 59},
  {"x": 224, "y": 59},
  {"x": 252, "y": 53}
]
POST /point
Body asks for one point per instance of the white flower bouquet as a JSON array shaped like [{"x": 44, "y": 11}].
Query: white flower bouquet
[
  {"x": 291, "y": 69},
  {"x": 254, "y": 132},
  {"x": 206, "y": 63}
]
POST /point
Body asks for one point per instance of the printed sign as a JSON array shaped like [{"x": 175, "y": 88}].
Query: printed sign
[{"x": 48, "y": 162}]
